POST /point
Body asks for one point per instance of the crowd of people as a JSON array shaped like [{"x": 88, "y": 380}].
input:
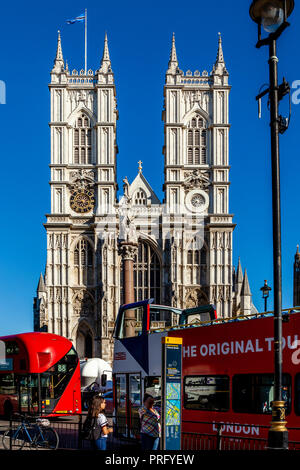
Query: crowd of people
[{"x": 96, "y": 426}]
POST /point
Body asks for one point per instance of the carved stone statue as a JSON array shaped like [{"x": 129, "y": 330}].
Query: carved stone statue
[{"x": 196, "y": 179}]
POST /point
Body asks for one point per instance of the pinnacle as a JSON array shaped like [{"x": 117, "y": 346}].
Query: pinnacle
[
  {"x": 41, "y": 285},
  {"x": 220, "y": 55},
  {"x": 239, "y": 273},
  {"x": 59, "y": 54},
  {"x": 245, "y": 287},
  {"x": 173, "y": 55},
  {"x": 219, "y": 67},
  {"x": 105, "y": 61},
  {"x": 59, "y": 60},
  {"x": 173, "y": 62},
  {"x": 105, "y": 50}
]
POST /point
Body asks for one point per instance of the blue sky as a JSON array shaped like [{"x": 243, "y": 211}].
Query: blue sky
[{"x": 139, "y": 40}]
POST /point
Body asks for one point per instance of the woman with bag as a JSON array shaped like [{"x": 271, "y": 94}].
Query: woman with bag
[
  {"x": 150, "y": 424},
  {"x": 97, "y": 423}
]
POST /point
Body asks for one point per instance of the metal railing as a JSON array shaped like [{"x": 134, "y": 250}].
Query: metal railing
[
  {"x": 216, "y": 321},
  {"x": 203, "y": 436},
  {"x": 69, "y": 430}
]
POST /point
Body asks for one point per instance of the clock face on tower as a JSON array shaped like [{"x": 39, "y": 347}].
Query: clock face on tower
[
  {"x": 197, "y": 201},
  {"x": 82, "y": 201}
]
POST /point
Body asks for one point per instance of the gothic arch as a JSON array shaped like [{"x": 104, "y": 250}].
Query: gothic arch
[
  {"x": 71, "y": 120},
  {"x": 196, "y": 110},
  {"x": 197, "y": 262},
  {"x": 144, "y": 237},
  {"x": 192, "y": 239},
  {"x": 83, "y": 260},
  {"x": 140, "y": 197},
  {"x": 196, "y": 297},
  {"x": 83, "y": 303},
  {"x": 84, "y": 339},
  {"x": 82, "y": 237}
]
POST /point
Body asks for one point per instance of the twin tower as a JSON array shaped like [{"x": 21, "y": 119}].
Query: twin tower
[{"x": 183, "y": 244}]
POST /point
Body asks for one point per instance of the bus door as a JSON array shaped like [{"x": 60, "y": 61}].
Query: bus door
[
  {"x": 128, "y": 400},
  {"x": 28, "y": 392},
  {"x": 22, "y": 382}
]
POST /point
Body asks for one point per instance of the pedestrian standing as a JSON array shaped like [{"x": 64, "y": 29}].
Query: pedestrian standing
[
  {"x": 100, "y": 424},
  {"x": 150, "y": 424}
]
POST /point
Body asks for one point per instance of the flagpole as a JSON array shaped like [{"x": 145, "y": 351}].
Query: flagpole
[{"x": 85, "y": 42}]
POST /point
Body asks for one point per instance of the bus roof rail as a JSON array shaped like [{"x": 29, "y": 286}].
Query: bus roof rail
[{"x": 217, "y": 321}]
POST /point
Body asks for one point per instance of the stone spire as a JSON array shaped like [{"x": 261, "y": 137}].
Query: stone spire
[
  {"x": 220, "y": 55},
  {"x": 246, "y": 297},
  {"x": 245, "y": 287},
  {"x": 41, "y": 285},
  {"x": 173, "y": 62},
  {"x": 105, "y": 62},
  {"x": 297, "y": 255},
  {"x": 239, "y": 273},
  {"x": 59, "y": 60},
  {"x": 219, "y": 67}
]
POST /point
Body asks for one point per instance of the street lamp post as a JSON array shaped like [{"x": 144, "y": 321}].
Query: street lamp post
[
  {"x": 272, "y": 16},
  {"x": 265, "y": 293}
]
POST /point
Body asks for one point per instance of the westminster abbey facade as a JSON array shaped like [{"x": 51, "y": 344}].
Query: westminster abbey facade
[{"x": 184, "y": 255}]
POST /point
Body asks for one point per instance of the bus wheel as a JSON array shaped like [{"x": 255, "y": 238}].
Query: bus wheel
[{"x": 8, "y": 409}]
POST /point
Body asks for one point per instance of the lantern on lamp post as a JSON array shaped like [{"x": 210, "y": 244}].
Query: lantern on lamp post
[{"x": 265, "y": 293}]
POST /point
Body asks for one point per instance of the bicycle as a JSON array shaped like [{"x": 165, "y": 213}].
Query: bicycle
[{"x": 38, "y": 435}]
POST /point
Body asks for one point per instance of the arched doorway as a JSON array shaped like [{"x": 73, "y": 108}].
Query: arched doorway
[{"x": 84, "y": 341}]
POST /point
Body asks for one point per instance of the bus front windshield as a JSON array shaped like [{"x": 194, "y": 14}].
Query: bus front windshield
[{"x": 55, "y": 379}]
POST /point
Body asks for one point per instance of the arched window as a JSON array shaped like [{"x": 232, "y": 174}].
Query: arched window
[
  {"x": 140, "y": 198},
  {"x": 197, "y": 266},
  {"x": 83, "y": 263},
  {"x": 196, "y": 142},
  {"x": 82, "y": 141},
  {"x": 147, "y": 275}
]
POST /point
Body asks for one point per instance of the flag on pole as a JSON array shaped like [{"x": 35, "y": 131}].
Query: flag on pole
[{"x": 78, "y": 19}]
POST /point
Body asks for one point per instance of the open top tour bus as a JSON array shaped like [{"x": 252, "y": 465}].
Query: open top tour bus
[{"x": 227, "y": 371}]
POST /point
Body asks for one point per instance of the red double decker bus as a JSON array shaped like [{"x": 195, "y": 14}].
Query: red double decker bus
[{"x": 39, "y": 375}]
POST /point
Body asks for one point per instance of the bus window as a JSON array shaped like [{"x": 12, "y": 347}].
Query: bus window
[
  {"x": 253, "y": 393},
  {"x": 152, "y": 386},
  {"x": 120, "y": 390},
  {"x": 206, "y": 393},
  {"x": 131, "y": 323},
  {"x": 134, "y": 403},
  {"x": 7, "y": 384},
  {"x": 162, "y": 318},
  {"x": 12, "y": 348},
  {"x": 135, "y": 390},
  {"x": 121, "y": 403}
]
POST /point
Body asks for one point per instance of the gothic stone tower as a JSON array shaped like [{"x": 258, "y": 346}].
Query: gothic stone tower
[
  {"x": 83, "y": 182},
  {"x": 197, "y": 180}
]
